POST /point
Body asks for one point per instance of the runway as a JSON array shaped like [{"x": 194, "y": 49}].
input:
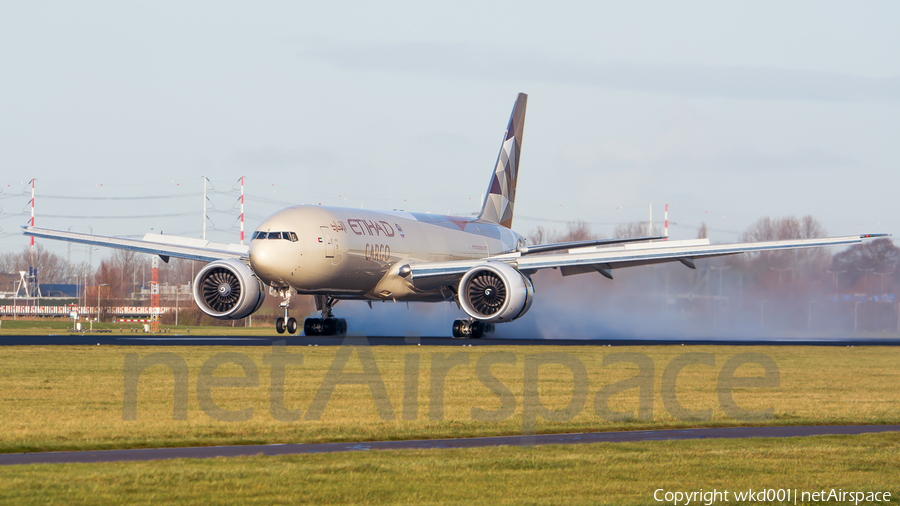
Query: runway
[
  {"x": 130, "y": 339},
  {"x": 480, "y": 442}
]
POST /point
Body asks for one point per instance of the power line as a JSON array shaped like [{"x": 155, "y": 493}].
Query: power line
[
  {"x": 107, "y": 217},
  {"x": 145, "y": 197}
]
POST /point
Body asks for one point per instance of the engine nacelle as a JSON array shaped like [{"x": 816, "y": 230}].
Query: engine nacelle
[
  {"x": 228, "y": 289},
  {"x": 494, "y": 292}
]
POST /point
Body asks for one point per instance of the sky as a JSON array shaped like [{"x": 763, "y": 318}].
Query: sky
[{"x": 725, "y": 111}]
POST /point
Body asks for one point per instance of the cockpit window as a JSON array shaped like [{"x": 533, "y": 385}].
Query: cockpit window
[{"x": 287, "y": 236}]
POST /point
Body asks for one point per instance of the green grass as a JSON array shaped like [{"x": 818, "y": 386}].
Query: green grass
[
  {"x": 603, "y": 473},
  {"x": 71, "y": 398},
  {"x": 49, "y": 326}
]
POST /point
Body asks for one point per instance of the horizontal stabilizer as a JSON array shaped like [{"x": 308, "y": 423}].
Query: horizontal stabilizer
[{"x": 544, "y": 248}]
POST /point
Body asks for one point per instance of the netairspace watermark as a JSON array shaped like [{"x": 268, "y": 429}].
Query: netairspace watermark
[
  {"x": 768, "y": 496},
  {"x": 533, "y": 408}
]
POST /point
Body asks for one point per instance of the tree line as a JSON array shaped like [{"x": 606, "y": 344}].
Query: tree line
[{"x": 123, "y": 272}]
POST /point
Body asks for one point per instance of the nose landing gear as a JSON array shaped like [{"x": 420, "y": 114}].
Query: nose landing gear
[
  {"x": 287, "y": 323},
  {"x": 327, "y": 325},
  {"x": 473, "y": 329}
]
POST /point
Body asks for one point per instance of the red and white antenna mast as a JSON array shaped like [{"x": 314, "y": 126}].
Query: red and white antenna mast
[
  {"x": 32, "y": 220},
  {"x": 666, "y": 233},
  {"x": 154, "y": 294}
]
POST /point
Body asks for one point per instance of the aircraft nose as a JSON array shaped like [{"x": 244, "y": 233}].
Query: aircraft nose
[{"x": 262, "y": 260}]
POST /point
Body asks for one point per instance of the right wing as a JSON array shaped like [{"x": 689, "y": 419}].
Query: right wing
[{"x": 156, "y": 244}]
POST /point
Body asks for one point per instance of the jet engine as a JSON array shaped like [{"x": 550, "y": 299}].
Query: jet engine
[
  {"x": 494, "y": 292},
  {"x": 228, "y": 289}
]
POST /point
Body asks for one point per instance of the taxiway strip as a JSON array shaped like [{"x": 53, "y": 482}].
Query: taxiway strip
[{"x": 479, "y": 442}]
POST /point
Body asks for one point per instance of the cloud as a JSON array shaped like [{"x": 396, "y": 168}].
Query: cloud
[
  {"x": 800, "y": 160},
  {"x": 686, "y": 145},
  {"x": 272, "y": 157},
  {"x": 617, "y": 156},
  {"x": 682, "y": 138},
  {"x": 727, "y": 81}
]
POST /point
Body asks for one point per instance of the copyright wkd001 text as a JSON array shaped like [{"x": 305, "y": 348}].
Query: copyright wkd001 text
[
  {"x": 485, "y": 365},
  {"x": 769, "y": 496}
]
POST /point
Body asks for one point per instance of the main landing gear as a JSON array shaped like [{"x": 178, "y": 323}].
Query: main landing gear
[
  {"x": 473, "y": 329},
  {"x": 327, "y": 325},
  {"x": 287, "y": 323}
]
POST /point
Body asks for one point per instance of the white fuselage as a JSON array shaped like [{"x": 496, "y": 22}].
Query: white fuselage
[{"x": 356, "y": 253}]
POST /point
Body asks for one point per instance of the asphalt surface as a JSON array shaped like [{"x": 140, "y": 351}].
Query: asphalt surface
[
  {"x": 480, "y": 442},
  {"x": 131, "y": 339}
]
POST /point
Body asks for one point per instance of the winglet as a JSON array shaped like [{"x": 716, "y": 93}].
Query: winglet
[{"x": 501, "y": 194}]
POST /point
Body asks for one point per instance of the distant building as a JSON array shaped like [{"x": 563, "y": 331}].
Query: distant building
[{"x": 60, "y": 290}]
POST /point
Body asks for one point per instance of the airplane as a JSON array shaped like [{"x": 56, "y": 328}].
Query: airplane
[{"x": 337, "y": 254}]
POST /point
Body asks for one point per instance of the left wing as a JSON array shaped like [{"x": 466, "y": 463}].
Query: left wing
[
  {"x": 605, "y": 259},
  {"x": 156, "y": 244}
]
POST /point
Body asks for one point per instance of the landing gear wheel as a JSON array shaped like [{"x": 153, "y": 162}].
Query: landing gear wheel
[
  {"x": 472, "y": 329},
  {"x": 285, "y": 323},
  {"x": 327, "y": 325},
  {"x": 324, "y": 326}
]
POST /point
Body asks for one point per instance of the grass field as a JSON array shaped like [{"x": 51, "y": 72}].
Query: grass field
[
  {"x": 45, "y": 326},
  {"x": 68, "y": 398},
  {"x": 605, "y": 473},
  {"x": 77, "y": 398}
]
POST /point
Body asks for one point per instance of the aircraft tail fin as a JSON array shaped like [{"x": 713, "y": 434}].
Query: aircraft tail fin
[{"x": 501, "y": 194}]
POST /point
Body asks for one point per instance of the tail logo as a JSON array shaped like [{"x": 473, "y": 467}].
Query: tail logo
[{"x": 498, "y": 203}]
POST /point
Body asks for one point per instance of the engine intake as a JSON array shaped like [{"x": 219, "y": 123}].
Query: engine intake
[
  {"x": 228, "y": 289},
  {"x": 495, "y": 293}
]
